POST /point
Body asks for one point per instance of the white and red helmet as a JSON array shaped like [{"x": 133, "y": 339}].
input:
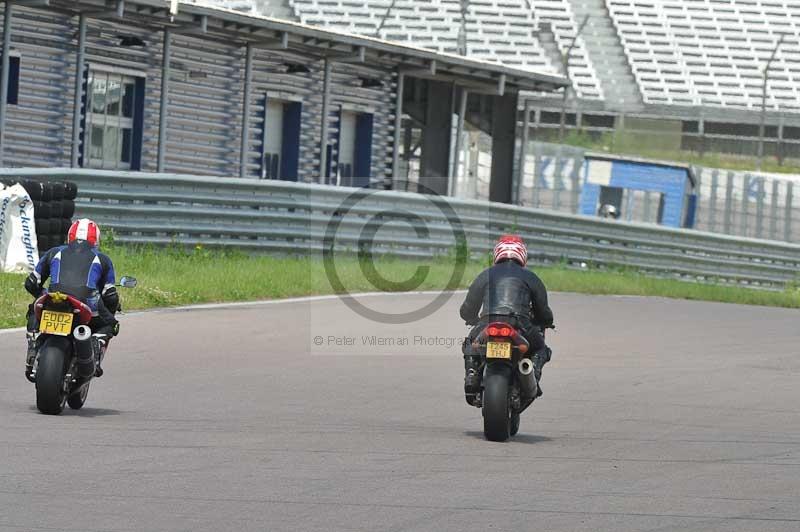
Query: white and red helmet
[
  {"x": 84, "y": 229},
  {"x": 511, "y": 247}
]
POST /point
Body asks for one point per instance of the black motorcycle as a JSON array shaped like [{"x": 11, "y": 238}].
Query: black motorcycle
[
  {"x": 65, "y": 363},
  {"x": 509, "y": 384}
]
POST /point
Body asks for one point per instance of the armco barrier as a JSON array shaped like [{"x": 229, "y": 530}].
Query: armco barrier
[{"x": 280, "y": 216}]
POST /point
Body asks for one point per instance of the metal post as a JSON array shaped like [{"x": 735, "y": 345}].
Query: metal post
[
  {"x": 523, "y": 150},
  {"x": 166, "y": 72},
  {"x": 565, "y": 59},
  {"x": 248, "y": 81},
  {"x": 6, "y": 64},
  {"x": 323, "y": 140},
  {"x": 760, "y": 207},
  {"x": 462, "y": 112},
  {"x": 787, "y": 214},
  {"x": 761, "y": 127},
  {"x": 79, "y": 75},
  {"x": 398, "y": 126},
  {"x": 712, "y": 201},
  {"x": 773, "y": 218},
  {"x": 745, "y": 202},
  {"x": 728, "y": 215}
]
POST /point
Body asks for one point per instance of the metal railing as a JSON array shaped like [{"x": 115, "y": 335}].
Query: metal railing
[{"x": 278, "y": 216}]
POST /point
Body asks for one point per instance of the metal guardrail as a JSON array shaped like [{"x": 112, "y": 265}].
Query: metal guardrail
[{"x": 278, "y": 216}]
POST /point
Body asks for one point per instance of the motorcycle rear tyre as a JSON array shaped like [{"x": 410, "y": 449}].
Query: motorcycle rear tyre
[
  {"x": 496, "y": 408},
  {"x": 50, "y": 395}
]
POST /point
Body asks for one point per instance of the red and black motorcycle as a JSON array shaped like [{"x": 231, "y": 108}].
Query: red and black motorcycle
[
  {"x": 65, "y": 363},
  {"x": 509, "y": 383}
]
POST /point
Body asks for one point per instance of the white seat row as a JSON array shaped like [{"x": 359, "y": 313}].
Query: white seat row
[
  {"x": 497, "y": 30},
  {"x": 711, "y": 52}
]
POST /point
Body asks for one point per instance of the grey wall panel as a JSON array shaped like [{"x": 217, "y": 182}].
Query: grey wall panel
[
  {"x": 204, "y": 119},
  {"x": 39, "y": 126}
]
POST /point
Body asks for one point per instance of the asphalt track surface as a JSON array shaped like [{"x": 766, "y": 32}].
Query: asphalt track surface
[{"x": 658, "y": 415}]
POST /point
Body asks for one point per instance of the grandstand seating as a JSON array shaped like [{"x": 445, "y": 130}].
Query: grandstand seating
[
  {"x": 711, "y": 53},
  {"x": 497, "y": 30}
]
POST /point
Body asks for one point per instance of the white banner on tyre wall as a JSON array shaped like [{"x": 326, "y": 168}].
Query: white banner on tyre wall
[{"x": 18, "y": 245}]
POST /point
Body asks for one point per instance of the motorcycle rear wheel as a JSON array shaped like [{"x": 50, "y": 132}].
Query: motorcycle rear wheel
[
  {"x": 496, "y": 408},
  {"x": 50, "y": 393},
  {"x": 76, "y": 401}
]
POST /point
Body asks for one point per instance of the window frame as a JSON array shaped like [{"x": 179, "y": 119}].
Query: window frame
[{"x": 120, "y": 121}]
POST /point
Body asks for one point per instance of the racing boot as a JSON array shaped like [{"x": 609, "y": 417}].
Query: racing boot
[
  {"x": 472, "y": 374},
  {"x": 30, "y": 357},
  {"x": 99, "y": 345},
  {"x": 541, "y": 358}
]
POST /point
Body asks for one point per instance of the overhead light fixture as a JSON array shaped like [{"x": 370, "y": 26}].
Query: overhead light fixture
[
  {"x": 371, "y": 83},
  {"x": 296, "y": 68},
  {"x": 131, "y": 40}
]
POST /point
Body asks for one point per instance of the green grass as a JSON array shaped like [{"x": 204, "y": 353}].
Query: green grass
[{"x": 172, "y": 277}]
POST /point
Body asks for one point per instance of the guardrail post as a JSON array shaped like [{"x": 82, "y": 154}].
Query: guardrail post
[
  {"x": 6, "y": 67},
  {"x": 248, "y": 81},
  {"x": 712, "y": 201},
  {"x": 745, "y": 202},
  {"x": 773, "y": 218},
  {"x": 787, "y": 227},
  {"x": 760, "y": 207},
  {"x": 166, "y": 72},
  {"x": 80, "y": 67},
  {"x": 727, "y": 226}
]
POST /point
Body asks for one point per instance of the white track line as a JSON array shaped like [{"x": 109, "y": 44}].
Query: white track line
[{"x": 291, "y": 300}]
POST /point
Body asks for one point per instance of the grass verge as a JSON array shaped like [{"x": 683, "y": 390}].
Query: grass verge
[{"x": 172, "y": 277}]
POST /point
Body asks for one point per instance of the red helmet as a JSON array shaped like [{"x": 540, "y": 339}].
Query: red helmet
[
  {"x": 511, "y": 247},
  {"x": 84, "y": 229}
]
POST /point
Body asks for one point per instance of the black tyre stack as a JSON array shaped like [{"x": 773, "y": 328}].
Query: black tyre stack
[{"x": 53, "y": 207}]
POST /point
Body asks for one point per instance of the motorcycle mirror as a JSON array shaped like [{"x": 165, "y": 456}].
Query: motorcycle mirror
[{"x": 128, "y": 282}]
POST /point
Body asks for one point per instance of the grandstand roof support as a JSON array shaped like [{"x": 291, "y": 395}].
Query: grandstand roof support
[
  {"x": 80, "y": 62},
  {"x": 6, "y": 66},
  {"x": 166, "y": 72},
  {"x": 398, "y": 124},
  {"x": 523, "y": 149},
  {"x": 248, "y": 87},
  {"x": 326, "y": 110},
  {"x": 462, "y": 114},
  {"x": 504, "y": 112}
]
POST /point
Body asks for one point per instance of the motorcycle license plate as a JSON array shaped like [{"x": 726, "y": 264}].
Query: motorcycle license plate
[
  {"x": 498, "y": 350},
  {"x": 57, "y": 323}
]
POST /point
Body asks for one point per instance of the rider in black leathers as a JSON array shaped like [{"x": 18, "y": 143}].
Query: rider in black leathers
[{"x": 508, "y": 292}]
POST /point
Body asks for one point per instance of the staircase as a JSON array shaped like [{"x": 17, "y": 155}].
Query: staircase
[
  {"x": 275, "y": 9},
  {"x": 608, "y": 57}
]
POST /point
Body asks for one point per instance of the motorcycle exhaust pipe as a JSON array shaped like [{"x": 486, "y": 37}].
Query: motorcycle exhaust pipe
[
  {"x": 528, "y": 385},
  {"x": 84, "y": 350}
]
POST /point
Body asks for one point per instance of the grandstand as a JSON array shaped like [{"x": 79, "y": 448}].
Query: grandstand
[{"x": 697, "y": 62}]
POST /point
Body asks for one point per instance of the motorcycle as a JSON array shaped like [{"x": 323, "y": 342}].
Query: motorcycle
[
  {"x": 64, "y": 364},
  {"x": 509, "y": 384}
]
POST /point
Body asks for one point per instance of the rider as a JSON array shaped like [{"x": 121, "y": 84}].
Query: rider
[
  {"x": 80, "y": 270},
  {"x": 507, "y": 290}
]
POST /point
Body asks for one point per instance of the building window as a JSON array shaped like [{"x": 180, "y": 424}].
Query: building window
[
  {"x": 13, "y": 80},
  {"x": 113, "y": 121},
  {"x": 355, "y": 149},
  {"x": 281, "y": 140}
]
